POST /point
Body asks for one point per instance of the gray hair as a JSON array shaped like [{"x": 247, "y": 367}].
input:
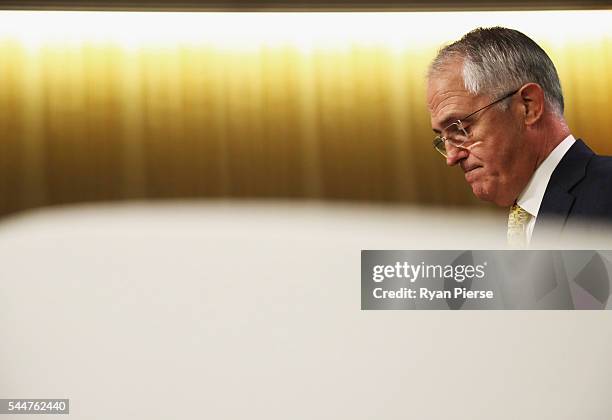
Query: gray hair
[{"x": 498, "y": 60}]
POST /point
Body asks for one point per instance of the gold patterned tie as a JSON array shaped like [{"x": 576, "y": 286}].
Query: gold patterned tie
[{"x": 517, "y": 226}]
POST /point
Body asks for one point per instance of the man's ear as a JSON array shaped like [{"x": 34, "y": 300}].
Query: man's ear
[{"x": 532, "y": 102}]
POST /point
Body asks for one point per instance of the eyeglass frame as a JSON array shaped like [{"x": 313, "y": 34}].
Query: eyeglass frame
[{"x": 459, "y": 125}]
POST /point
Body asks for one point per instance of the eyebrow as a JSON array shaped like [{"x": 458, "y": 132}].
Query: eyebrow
[{"x": 447, "y": 121}]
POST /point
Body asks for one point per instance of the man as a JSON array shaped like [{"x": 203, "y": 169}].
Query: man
[{"x": 496, "y": 104}]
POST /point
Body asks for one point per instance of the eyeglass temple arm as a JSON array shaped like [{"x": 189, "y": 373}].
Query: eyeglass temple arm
[{"x": 491, "y": 104}]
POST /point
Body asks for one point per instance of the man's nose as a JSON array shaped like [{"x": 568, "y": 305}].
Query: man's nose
[{"x": 455, "y": 154}]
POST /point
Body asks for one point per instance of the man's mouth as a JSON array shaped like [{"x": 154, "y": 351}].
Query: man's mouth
[{"x": 471, "y": 172}]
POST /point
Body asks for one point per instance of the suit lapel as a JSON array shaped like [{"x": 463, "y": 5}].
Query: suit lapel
[
  {"x": 558, "y": 199},
  {"x": 555, "y": 206}
]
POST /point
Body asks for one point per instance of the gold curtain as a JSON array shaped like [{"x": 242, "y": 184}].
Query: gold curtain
[{"x": 101, "y": 119}]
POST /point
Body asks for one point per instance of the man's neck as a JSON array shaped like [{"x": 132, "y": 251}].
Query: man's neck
[{"x": 554, "y": 131}]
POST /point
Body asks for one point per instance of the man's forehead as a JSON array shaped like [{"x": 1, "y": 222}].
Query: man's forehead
[
  {"x": 444, "y": 85},
  {"x": 447, "y": 98}
]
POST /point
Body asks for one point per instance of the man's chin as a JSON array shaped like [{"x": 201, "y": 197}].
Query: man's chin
[
  {"x": 482, "y": 192},
  {"x": 487, "y": 193}
]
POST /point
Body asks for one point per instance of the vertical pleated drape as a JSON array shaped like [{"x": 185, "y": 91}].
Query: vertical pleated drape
[{"x": 87, "y": 118}]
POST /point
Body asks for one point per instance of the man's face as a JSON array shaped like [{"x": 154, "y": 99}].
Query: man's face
[{"x": 500, "y": 165}]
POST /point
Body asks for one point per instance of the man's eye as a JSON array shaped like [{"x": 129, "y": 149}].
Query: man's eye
[{"x": 460, "y": 132}]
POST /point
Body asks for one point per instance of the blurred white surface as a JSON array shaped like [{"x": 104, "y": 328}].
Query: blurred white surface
[{"x": 224, "y": 310}]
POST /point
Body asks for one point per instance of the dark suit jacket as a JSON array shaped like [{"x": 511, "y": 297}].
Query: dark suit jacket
[{"x": 579, "y": 192}]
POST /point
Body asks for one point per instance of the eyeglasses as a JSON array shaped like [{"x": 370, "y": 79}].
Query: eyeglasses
[{"x": 457, "y": 135}]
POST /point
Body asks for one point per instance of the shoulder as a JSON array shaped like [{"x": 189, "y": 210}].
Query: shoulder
[
  {"x": 594, "y": 165},
  {"x": 601, "y": 165},
  {"x": 596, "y": 171},
  {"x": 597, "y": 182},
  {"x": 600, "y": 168}
]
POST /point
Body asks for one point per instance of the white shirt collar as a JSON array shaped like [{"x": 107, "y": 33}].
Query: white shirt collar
[{"x": 533, "y": 194}]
